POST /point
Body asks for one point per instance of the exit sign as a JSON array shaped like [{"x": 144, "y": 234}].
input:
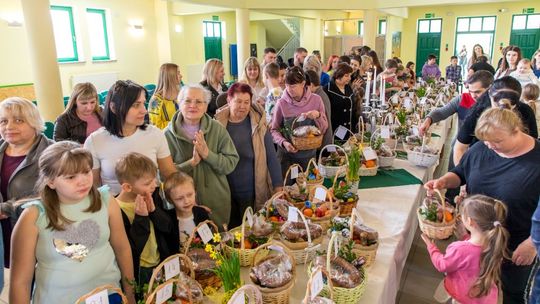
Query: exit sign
[
  {"x": 215, "y": 18},
  {"x": 529, "y": 10},
  {"x": 430, "y": 15}
]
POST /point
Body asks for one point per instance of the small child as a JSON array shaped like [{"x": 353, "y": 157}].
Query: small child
[
  {"x": 180, "y": 191},
  {"x": 145, "y": 222},
  {"x": 453, "y": 71},
  {"x": 72, "y": 237},
  {"x": 530, "y": 95},
  {"x": 524, "y": 73},
  {"x": 473, "y": 267},
  {"x": 431, "y": 70},
  {"x": 272, "y": 79}
]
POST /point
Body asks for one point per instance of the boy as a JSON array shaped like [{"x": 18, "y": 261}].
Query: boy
[
  {"x": 272, "y": 78},
  {"x": 180, "y": 191},
  {"x": 430, "y": 70},
  {"x": 453, "y": 71},
  {"x": 524, "y": 73},
  {"x": 147, "y": 225}
]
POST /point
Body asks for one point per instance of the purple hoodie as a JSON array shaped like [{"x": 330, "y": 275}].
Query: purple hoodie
[
  {"x": 431, "y": 71},
  {"x": 288, "y": 108}
]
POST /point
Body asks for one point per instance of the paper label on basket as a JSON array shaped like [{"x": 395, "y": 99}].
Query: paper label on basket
[
  {"x": 407, "y": 103},
  {"x": 276, "y": 248},
  {"x": 101, "y": 297},
  {"x": 294, "y": 172},
  {"x": 341, "y": 132},
  {"x": 250, "y": 219},
  {"x": 172, "y": 268},
  {"x": 369, "y": 154},
  {"x": 164, "y": 293},
  {"x": 331, "y": 149},
  {"x": 316, "y": 283},
  {"x": 423, "y": 100},
  {"x": 205, "y": 233},
  {"x": 293, "y": 214},
  {"x": 240, "y": 298},
  {"x": 415, "y": 131},
  {"x": 320, "y": 194},
  {"x": 385, "y": 132}
]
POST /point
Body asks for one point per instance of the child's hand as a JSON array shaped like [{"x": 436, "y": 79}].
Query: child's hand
[
  {"x": 149, "y": 203},
  {"x": 140, "y": 206},
  {"x": 426, "y": 239}
]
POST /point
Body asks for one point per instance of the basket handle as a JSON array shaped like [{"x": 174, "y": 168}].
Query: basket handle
[
  {"x": 361, "y": 128},
  {"x": 378, "y": 131},
  {"x": 296, "y": 119},
  {"x": 244, "y": 218},
  {"x": 307, "y": 299},
  {"x": 336, "y": 147},
  {"x": 443, "y": 201},
  {"x": 192, "y": 235},
  {"x": 423, "y": 144},
  {"x": 337, "y": 175},
  {"x": 289, "y": 170},
  {"x": 312, "y": 163},
  {"x": 107, "y": 287},
  {"x": 330, "y": 247},
  {"x": 278, "y": 244},
  {"x": 253, "y": 294},
  {"x": 180, "y": 256},
  {"x": 178, "y": 283},
  {"x": 271, "y": 199}
]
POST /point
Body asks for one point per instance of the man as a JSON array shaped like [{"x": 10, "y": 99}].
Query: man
[
  {"x": 270, "y": 55},
  {"x": 299, "y": 56},
  {"x": 466, "y": 137},
  {"x": 478, "y": 83}
]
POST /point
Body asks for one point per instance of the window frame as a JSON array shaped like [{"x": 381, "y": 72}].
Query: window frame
[
  {"x": 429, "y": 20},
  {"x": 361, "y": 28},
  {"x": 69, "y": 10},
  {"x": 526, "y": 22},
  {"x": 103, "y": 14},
  {"x": 205, "y": 33},
  {"x": 379, "y": 30},
  {"x": 493, "y": 32}
]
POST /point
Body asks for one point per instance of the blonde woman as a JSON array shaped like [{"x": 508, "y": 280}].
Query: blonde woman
[
  {"x": 213, "y": 74},
  {"x": 311, "y": 62},
  {"x": 253, "y": 76},
  {"x": 163, "y": 104},
  {"x": 82, "y": 115}
]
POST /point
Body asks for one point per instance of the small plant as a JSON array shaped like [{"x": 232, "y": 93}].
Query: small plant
[
  {"x": 227, "y": 265},
  {"x": 346, "y": 251}
]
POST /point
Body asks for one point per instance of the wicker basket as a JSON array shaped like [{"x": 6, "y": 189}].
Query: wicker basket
[
  {"x": 152, "y": 298},
  {"x": 305, "y": 143},
  {"x": 295, "y": 202},
  {"x": 331, "y": 171},
  {"x": 421, "y": 159},
  {"x": 385, "y": 161},
  {"x": 158, "y": 276},
  {"x": 207, "y": 278},
  {"x": 251, "y": 294},
  {"x": 308, "y": 298},
  {"x": 364, "y": 171},
  {"x": 345, "y": 208},
  {"x": 303, "y": 251},
  {"x": 245, "y": 255},
  {"x": 334, "y": 210},
  {"x": 309, "y": 184},
  {"x": 281, "y": 294},
  {"x": 110, "y": 288},
  {"x": 369, "y": 253},
  {"x": 269, "y": 203},
  {"x": 440, "y": 231}
]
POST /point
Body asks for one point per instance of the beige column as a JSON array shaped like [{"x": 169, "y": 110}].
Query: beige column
[
  {"x": 163, "y": 31},
  {"x": 370, "y": 27},
  {"x": 40, "y": 36},
  {"x": 242, "y": 37}
]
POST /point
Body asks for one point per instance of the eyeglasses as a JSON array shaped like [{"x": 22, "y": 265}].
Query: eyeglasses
[{"x": 196, "y": 102}]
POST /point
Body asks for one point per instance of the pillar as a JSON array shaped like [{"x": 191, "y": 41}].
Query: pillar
[
  {"x": 242, "y": 37},
  {"x": 370, "y": 28},
  {"x": 40, "y": 36},
  {"x": 163, "y": 31}
]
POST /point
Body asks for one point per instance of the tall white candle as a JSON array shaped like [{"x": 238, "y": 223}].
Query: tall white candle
[
  {"x": 368, "y": 83},
  {"x": 383, "y": 93},
  {"x": 374, "y": 80}
]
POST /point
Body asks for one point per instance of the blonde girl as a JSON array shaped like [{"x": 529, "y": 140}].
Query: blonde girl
[
  {"x": 72, "y": 237},
  {"x": 163, "y": 103},
  {"x": 253, "y": 76},
  {"x": 213, "y": 75},
  {"x": 473, "y": 266}
]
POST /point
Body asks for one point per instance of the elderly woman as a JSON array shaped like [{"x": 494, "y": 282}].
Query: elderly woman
[
  {"x": 342, "y": 99},
  {"x": 125, "y": 131},
  {"x": 20, "y": 147},
  {"x": 202, "y": 147},
  {"x": 82, "y": 115},
  {"x": 250, "y": 183},
  {"x": 213, "y": 73},
  {"x": 504, "y": 165}
]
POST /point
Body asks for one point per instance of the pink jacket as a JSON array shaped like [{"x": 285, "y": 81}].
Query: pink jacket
[{"x": 461, "y": 262}]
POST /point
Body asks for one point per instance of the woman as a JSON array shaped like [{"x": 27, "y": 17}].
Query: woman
[
  {"x": 535, "y": 62},
  {"x": 504, "y": 165},
  {"x": 409, "y": 69},
  {"x": 297, "y": 101},
  {"x": 213, "y": 73},
  {"x": 258, "y": 173},
  {"x": 375, "y": 59},
  {"x": 478, "y": 51},
  {"x": 311, "y": 62},
  {"x": 163, "y": 105},
  {"x": 81, "y": 117},
  {"x": 124, "y": 131},
  {"x": 342, "y": 99},
  {"x": 314, "y": 85},
  {"x": 20, "y": 147},
  {"x": 253, "y": 76},
  {"x": 331, "y": 64},
  {"x": 202, "y": 148},
  {"x": 511, "y": 57}
]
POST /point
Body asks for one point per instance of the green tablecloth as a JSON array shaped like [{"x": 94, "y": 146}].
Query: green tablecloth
[{"x": 384, "y": 178}]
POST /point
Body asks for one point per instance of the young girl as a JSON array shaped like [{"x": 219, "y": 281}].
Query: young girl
[
  {"x": 72, "y": 238},
  {"x": 473, "y": 267},
  {"x": 163, "y": 104}
]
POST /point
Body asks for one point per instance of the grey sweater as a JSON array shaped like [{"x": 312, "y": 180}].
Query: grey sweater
[{"x": 448, "y": 110}]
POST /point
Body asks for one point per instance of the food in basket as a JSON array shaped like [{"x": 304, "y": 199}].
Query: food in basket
[
  {"x": 413, "y": 140},
  {"x": 342, "y": 273},
  {"x": 261, "y": 228},
  {"x": 296, "y": 193},
  {"x": 197, "y": 294},
  {"x": 274, "y": 271},
  {"x": 278, "y": 211},
  {"x": 306, "y": 131},
  {"x": 385, "y": 151},
  {"x": 201, "y": 260},
  {"x": 365, "y": 235},
  {"x": 335, "y": 159},
  {"x": 425, "y": 149},
  {"x": 432, "y": 210},
  {"x": 343, "y": 194},
  {"x": 317, "y": 210},
  {"x": 297, "y": 232},
  {"x": 369, "y": 163}
]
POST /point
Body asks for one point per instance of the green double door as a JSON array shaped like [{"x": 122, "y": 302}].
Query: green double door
[
  {"x": 428, "y": 43},
  {"x": 528, "y": 41}
]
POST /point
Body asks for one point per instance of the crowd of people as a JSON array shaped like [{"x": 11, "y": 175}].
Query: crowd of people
[{"x": 122, "y": 186}]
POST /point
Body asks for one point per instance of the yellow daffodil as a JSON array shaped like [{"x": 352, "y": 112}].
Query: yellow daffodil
[
  {"x": 217, "y": 238},
  {"x": 238, "y": 236},
  {"x": 208, "y": 248},
  {"x": 218, "y": 263},
  {"x": 213, "y": 255}
]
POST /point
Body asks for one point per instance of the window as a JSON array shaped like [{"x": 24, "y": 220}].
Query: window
[
  {"x": 476, "y": 24},
  {"x": 429, "y": 25},
  {"x": 64, "y": 33},
  {"x": 471, "y": 31},
  {"x": 212, "y": 29},
  {"x": 97, "y": 32},
  {"x": 382, "y": 27},
  {"x": 526, "y": 22},
  {"x": 360, "y": 28}
]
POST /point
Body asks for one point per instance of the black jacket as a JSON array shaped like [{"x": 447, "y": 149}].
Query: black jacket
[
  {"x": 69, "y": 126},
  {"x": 139, "y": 231},
  {"x": 212, "y": 106},
  {"x": 344, "y": 107},
  {"x": 173, "y": 241}
]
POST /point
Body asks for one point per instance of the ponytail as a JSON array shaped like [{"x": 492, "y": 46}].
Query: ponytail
[{"x": 489, "y": 214}]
